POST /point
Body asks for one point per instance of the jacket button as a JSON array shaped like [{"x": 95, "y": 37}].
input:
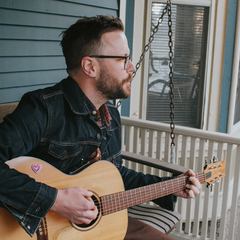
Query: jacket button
[{"x": 98, "y": 136}]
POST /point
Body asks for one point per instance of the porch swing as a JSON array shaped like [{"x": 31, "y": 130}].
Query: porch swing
[{"x": 153, "y": 215}]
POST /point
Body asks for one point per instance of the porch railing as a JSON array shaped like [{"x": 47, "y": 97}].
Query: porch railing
[{"x": 213, "y": 214}]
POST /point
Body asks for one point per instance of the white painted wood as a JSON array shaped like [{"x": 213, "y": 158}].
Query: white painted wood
[
  {"x": 234, "y": 217},
  {"x": 190, "y": 203},
  {"x": 193, "y": 147}
]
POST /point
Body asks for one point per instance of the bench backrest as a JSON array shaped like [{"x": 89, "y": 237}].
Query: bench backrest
[{"x": 6, "y": 109}]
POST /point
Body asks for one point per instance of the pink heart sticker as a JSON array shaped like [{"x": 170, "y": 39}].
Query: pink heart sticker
[{"x": 36, "y": 168}]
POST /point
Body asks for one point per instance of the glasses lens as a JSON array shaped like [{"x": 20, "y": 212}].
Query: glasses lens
[{"x": 128, "y": 60}]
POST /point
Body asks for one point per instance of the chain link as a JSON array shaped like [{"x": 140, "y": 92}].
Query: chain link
[
  {"x": 151, "y": 38},
  {"x": 171, "y": 85},
  {"x": 168, "y": 10},
  {"x": 147, "y": 46}
]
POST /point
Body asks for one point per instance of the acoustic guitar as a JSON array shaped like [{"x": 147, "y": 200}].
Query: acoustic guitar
[{"x": 104, "y": 180}]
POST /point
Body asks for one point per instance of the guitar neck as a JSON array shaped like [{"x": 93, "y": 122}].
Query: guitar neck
[{"x": 122, "y": 200}]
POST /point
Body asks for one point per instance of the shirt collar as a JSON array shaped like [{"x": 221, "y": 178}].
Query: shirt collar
[
  {"x": 76, "y": 97},
  {"x": 102, "y": 115}
]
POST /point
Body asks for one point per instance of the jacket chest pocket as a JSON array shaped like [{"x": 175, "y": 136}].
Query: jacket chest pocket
[
  {"x": 65, "y": 157},
  {"x": 64, "y": 152}
]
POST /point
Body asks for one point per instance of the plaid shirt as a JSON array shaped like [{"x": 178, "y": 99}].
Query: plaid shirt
[
  {"x": 103, "y": 119},
  {"x": 102, "y": 116}
]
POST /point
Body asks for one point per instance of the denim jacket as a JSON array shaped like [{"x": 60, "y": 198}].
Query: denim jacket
[{"x": 55, "y": 125}]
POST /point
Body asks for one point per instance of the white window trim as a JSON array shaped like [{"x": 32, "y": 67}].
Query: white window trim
[
  {"x": 122, "y": 16},
  {"x": 214, "y": 63},
  {"x": 234, "y": 128},
  {"x": 122, "y": 11}
]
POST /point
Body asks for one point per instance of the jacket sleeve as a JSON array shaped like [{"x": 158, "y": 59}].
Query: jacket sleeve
[
  {"x": 26, "y": 199},
  {"x": 133, "y": 179}
]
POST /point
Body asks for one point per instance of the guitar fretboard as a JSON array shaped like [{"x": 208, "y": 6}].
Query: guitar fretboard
[{"x": 122, "y": 200}]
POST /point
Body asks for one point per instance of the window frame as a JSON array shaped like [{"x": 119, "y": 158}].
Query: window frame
[{"x": 214, "y": 59}]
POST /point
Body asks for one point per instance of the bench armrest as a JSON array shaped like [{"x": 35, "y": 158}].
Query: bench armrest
[{"x": 151, "y": 162}]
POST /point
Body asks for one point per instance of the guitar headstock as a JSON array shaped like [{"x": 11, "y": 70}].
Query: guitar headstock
[{"x": 214, "y": 171}]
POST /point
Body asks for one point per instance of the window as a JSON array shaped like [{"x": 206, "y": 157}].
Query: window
[{"x": 190, "y": 34}]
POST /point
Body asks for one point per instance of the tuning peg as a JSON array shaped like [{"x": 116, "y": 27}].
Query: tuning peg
[
  {"x": 211, "y": 161},
  {"x": 215, "y": 159}
]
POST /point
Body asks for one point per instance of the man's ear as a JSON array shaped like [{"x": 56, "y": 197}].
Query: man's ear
[{"x": 89, "y": 66}]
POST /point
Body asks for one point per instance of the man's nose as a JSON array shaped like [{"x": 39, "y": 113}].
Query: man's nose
[{"x": 131, "y": 68}]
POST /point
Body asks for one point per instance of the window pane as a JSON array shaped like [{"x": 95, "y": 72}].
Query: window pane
[{"x": 189, "y": 36}]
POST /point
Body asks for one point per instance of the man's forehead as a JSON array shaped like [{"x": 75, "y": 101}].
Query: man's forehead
[{"x": 115, "y": 40}]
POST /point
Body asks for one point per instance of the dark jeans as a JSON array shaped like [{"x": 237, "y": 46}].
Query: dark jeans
[{"x": 138, "y": 230}]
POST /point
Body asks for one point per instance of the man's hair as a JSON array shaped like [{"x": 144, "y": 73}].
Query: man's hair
[{"x": 84, "y": 38}]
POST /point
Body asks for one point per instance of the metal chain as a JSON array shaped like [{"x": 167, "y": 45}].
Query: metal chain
[
  {"x": 171, "y": 85},
  {"x": 147, "y": 46}
]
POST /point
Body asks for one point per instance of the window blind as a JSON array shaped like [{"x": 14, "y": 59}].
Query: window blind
[{"x": 189, "y": 36}]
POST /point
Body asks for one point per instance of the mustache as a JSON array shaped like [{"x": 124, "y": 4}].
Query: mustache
[{"x": 128, "y": 79}]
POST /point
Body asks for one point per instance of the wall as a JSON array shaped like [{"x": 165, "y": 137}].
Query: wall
[
  {"x": 228, "y": 64},
  {"x": 30, "y": 54}
]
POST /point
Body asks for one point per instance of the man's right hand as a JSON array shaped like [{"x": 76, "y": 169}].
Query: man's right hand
[{"x": 76, "y": 205}]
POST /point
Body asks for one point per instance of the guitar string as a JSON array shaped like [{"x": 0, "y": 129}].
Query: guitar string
[{"x": 175, "y": 185}]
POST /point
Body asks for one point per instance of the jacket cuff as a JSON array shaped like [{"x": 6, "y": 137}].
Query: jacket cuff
[{"x": 43, "y": 202}]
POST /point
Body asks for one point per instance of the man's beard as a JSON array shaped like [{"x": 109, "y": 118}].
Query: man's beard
[{"x": 110, "y": 86}]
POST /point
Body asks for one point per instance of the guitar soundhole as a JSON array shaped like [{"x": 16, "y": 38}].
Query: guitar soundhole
[{"x": 95, "y": 221}]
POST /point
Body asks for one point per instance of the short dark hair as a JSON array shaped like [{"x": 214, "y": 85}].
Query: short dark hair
[{"x": 84, "y": 38}]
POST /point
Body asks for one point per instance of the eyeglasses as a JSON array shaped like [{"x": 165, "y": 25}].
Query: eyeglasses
[{"x": 128, "y": 58}]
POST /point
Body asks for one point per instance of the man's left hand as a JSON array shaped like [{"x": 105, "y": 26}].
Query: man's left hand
[{"x": 193, "y": 186}]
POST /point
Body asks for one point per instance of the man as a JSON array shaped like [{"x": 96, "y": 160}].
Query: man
[{"x": 72, "y": 122}]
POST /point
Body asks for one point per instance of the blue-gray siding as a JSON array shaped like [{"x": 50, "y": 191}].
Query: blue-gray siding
[{"x": 30, "y": 52}]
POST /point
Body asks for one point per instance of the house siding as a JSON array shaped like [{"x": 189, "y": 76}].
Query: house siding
[
  {"x": 30, "y": 52},
  {"x": 228, "y": 65}
]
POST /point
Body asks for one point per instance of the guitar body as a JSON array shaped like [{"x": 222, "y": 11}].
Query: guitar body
[{"x": 102, "y": 178}]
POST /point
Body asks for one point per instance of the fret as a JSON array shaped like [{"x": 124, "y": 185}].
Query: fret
[
  {"x": 103, "y": 205},
  {"x": 155, "y": 186},
  {"x": 145, "y": 193},
  {"x": 164, "y": 189},
  {"x": 141, "y": 196},
  {"x": 111, "y": 201},
  {"x": 161, "y": 188},
  {"x": 131, "y": 198},
  {"x": 123, "y": 198},
  {"x": 137, "y": 197},
  {"x": 118, "y": 201},
  {"x": 150, "y": 193},
  {"x": 107, "y": 204}
]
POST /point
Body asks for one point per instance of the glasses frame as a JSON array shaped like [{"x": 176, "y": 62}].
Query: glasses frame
[{"x": 128, "y": 58}]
